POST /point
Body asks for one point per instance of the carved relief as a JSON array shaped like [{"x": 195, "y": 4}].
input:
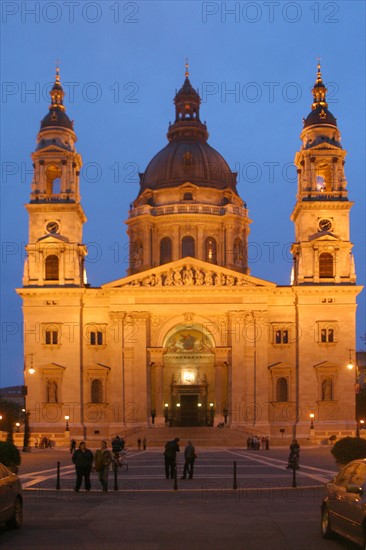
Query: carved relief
[{"x": 190, "y": 276}]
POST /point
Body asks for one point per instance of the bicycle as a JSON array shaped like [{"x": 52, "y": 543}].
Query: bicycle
[{"x": 119, "y": 460}]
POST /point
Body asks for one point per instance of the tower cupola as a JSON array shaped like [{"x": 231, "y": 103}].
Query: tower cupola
[
  {"x": 319, "y": 113},
  {"x": 187, "y": 123},
  {"x": 57, "y": 117}
]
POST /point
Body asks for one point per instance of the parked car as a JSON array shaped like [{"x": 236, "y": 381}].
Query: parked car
[
  {"x": 11, "y": 500},
  {"x": 343, "y": 509}
]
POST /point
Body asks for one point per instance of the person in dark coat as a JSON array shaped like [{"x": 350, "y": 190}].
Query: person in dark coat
[
  {"x": 83, "y": 460},
  {"x": 189, "y": 458},
  {"x": 294, "y": 456},
  {"x": 170, "y": 454}
]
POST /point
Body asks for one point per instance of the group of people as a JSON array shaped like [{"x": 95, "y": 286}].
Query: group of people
[
  {"x": 254, "y": 442},
  {"x": 44, "y": 443},
  {"x": 85, "y": 460},
  {"x": 170, "y": 459},
  {"x": 144, "y": 443}
]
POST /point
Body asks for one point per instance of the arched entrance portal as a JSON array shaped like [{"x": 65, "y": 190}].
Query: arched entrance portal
[{"x": 189, "y": 378}]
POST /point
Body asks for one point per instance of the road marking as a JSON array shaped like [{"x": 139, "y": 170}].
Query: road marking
[{"x": 271, "y": 462}]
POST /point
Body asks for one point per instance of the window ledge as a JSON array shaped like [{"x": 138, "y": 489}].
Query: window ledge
[{"x": 51, "y": 346}]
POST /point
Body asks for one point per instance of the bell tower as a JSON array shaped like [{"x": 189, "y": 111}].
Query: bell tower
[
  {"x": 55, "y": 255},
  {"x": 322, "y": 250}
]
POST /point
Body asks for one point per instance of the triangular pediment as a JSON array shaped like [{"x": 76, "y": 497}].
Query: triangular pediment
[
  {"x": 324, "y": 365},
  {"x": 52, "y": 367},
  {"x": 189, "y": 272},
  {"x": 324, "y": 236},
  {"x": 53, "y": 238}
]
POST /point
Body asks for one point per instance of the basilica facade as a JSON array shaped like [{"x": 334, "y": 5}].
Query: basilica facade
[{"x": 189, "y": 337}]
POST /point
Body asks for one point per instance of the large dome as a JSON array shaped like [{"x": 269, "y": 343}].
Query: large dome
[
  {"x": 188, "y": 157},
  {"x": 193, "y": 161}
]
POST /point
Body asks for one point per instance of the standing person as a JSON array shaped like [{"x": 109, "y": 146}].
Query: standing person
[
  {"x": 189, "y": 458},
  {"x": 102, "y": 461},
  {"x": 118, "y": 444},
  {"x": 139, "y": 443},
  {"x": 72, "y": 446},
  {"x": 144, "y": 442},
  {"x": 83, "y": 460},
  {"x": 294, "y": 456},
  {"x": 170, "y": 454}
]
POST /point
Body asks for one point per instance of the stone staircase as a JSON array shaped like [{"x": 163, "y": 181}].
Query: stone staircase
[{"x": 200, "y": 437}]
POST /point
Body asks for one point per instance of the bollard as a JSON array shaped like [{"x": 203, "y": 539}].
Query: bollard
[
  {"x": 175, "y": 486},
  {"x": 58, "y": 485},
  {"x": 294, "y": 477},
  {"x": 235, "y": 485},
  {"x": 115, "y": 468}
]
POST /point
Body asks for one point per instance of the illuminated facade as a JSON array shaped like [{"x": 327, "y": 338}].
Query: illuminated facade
[{"x": 189, "y": 336}]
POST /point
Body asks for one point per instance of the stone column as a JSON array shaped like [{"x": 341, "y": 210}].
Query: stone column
[
  {"x": 221, "y": 397},
  {"x": 157, "y": 405}
]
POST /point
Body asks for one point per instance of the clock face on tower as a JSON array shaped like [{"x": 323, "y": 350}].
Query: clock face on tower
[
  {"x": 325, "y": 225},
  {"x": 52, "y": 227}
]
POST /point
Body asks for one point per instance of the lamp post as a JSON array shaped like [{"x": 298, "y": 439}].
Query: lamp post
[
  {"x": 351, "y": 366},
  {"x": 312, "y": 415},
  {"x": 67, "y": 418},
  {"x": 26, "y": 437}
]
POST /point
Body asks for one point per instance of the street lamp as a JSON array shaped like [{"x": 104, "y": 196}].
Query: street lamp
[
  {"x": 26, "y": 437},
  {"x": 67, "y": 429},
  {"x": 18, "y": 426},
  {"x": 312, "y": 416},
  {"x": 351, "y": 366}
]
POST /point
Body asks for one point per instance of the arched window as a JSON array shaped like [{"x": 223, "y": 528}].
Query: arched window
[
  {"x": 326, "y": 265},
  {"x": 188, "y": 247},
  {"x": 97, "y": 391},
  {"x": 323, "y": 177},
  {"x": 52, "y": 268},
  {"x": 211, "y": 250},
  {"x": 238, "y": 252},
  {"x": 281, "y": 390},
  {"x": 53, "y": 181},
  {"x": 165, "y": 250}
]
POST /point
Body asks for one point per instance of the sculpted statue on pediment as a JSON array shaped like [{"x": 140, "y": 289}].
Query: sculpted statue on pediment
[{"x": 189, "y": 275}]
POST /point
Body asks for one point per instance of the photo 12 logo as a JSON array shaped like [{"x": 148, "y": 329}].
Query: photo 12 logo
[
  {"x": 270, "y": 12},
  {"x": 70, "y": 12}
]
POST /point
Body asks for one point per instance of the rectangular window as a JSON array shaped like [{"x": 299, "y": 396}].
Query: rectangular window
[
  {"x": 281, "y": 336},
  {"x": 327, "y": 335},
  {"x": 51, "y": 337},
  {"x": 96, "y": 338}
]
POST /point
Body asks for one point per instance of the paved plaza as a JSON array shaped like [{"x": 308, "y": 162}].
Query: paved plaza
[{"x": 146, "y": 513}]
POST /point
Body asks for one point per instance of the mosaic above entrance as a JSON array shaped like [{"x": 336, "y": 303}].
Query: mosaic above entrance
[{"x": 188, "y": 341}]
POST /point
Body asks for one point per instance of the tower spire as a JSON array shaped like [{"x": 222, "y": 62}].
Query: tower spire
[
  {"x": 57, "y": 93},
  {"x": 186, "y": 74},
  {"x": 319, "y": 90}
]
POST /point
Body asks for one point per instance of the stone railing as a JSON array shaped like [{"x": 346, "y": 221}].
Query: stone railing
[{"x": 187, "y": 209}]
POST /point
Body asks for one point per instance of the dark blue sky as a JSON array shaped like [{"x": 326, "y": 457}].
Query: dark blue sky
[{"x": 254, "y": 64}]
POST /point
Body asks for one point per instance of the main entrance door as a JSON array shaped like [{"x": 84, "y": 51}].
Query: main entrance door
[{"x": 189, "y": 410}]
